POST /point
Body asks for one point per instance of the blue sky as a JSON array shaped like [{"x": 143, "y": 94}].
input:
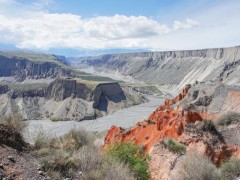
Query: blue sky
[{"x": 83, "y": 27}]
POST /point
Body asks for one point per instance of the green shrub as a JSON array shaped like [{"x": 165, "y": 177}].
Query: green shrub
[
  {"x": 133, "y": 156},
  {"x": 55, "y": 119},
  {"x": 230, "y": 169},
  {"x": 174, "y": 146},
  {"x": 229, "y": 118}
]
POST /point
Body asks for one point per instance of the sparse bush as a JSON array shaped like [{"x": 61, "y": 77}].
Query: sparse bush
[
  {"x": 40, "y": 139},
  {"x": 59, "y": 161},
  {"x": 174, "y": 146},
  {"x": 116, "y": 170},
  {"x": 229, "y": 118},
  {"x": 75, "y": 156},
  {"x": 133, "y": 156},
  {"x": 58, "y": 155},
  {"x": 55, "y": 119},
  {"x": 196, "y": 167},
  {"x": 208, "y": 125},
  {"x": 11, "y": 129},
  {"x": 230, "y": 169},
  {"x": 55, "y": 175},
  {"x": 74, "y": 140},
  {"x": 14, "y": 123}
]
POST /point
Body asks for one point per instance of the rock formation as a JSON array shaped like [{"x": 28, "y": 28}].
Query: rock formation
[
  {"x": 174, "y": 68},
  {"x": 41, "y": 86},
  {"x": 188, "y": 118},
  {"x": 66, "y": 99},
  {"x": 22, "y": 68}
]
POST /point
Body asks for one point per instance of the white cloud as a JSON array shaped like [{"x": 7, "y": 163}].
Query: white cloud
[
  {"x": 188, "y": 24},
  {"x": 32, "y": 27}
]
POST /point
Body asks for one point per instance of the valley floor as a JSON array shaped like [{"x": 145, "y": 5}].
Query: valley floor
[{"x": 125, "y": 118}]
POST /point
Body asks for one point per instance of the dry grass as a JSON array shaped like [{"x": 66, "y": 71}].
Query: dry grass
[
  {"x": 14, "y": 123},
  {"x": 229, "y": 118},
  {"x": 230, "y": 169},
  {"x": 11, "y": 129},
  {"x": 40, "y": 140},
  {"x": 75, "y": 156},
  {"x": 196, "y": 167}
]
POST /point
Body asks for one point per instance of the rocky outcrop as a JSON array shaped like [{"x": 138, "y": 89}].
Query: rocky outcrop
[
  {"x": 66, "y": 99},
  {"x": 63, "y": 88},
  {"x": 22, "y": 68},
  {"x": 103, "y": 93},
  {"x": 4, "y": 89},
  {"x": 189, "y": 119},
  {"x": 171, "y": 67},
  {"x": 162, "y": 162}
]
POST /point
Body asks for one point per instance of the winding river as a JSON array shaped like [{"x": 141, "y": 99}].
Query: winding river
[{"x": 125, "y": 118}]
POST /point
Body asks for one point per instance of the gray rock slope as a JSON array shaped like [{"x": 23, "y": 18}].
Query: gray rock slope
[
  {"x": 65, "y": 99},
  {"x": 171, "y": 67},
  {"x": 25, "y": 65}
]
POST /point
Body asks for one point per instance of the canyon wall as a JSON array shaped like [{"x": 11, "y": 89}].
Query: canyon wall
[
  {"x": 22, "y": 68},
  {"x": 176, "y": 68},
  {"x": 66, "y": 99}
]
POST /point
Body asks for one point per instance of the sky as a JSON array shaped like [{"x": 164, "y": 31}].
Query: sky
[{"x": 86, "y": 27}]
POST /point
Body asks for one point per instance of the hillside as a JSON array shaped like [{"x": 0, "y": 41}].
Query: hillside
[
  {"x": 65, "y": 99},
  {"x": 171, "y": 68},
  {"x": 201, "y": 119},
  {"x": 43, "y": 86}
]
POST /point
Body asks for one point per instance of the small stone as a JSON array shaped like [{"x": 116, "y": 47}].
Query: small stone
[
  {"x": 41, "y": 173},
  {"x": 11, "y": 158},
  {"x": 6, "y": 164},
  {"x": 1, "y": 166}
]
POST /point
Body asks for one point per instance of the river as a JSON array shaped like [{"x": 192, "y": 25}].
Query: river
[{"x": 125, "y": 118}]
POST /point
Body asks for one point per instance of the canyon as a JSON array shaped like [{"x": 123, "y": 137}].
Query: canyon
[
  {"x": 147, "y": 99},
  {"x": 206, "y": 88},
  {"x": 40, "y": 86},
  {"x": 170, "y": 68}
]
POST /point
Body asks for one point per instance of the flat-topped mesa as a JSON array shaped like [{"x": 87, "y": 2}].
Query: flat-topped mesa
[
  {"x": 171, "y": 68},
  {"x": 63, "y": 88},
  {"x": 171, "y": 120}
]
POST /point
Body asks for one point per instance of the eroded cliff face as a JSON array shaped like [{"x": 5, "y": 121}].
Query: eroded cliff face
[
  {"x": 176, "y": 68},
  {"x": 66, "y": 99},
  {"x": 187, "y": 119},
  {"x": 22, "y": 68},
  {"x": 63, "y": 88}
]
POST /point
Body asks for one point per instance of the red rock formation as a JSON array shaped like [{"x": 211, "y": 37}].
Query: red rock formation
[
  {"x": 168, "y": 121},
  {"x": 162, "y": 123}
]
